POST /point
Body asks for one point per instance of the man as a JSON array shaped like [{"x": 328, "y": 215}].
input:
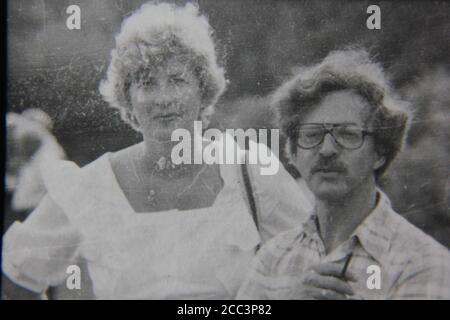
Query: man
[{"x": 344, "y": 128}]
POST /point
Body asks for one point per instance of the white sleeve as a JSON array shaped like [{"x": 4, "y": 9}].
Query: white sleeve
[
  {"x": 37, "y": 252},
  {"x": 281, "y": 202}
]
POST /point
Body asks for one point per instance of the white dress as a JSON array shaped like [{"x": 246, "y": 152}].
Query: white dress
[{"x": 190, "y": 254}]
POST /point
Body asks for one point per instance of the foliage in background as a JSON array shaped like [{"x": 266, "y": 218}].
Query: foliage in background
[{"x": 261, "y": 43}]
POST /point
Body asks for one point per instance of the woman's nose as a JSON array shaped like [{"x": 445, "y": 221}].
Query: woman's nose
[
  {"x": 159, "y": 93},
  {"x": 328, "y": 147},
  {"x": 163, "y": 92}
]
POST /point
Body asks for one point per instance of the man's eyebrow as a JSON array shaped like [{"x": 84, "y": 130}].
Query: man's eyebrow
[
  {"x": 349, "y": 123},
  {"x": 332, "y": 123}
]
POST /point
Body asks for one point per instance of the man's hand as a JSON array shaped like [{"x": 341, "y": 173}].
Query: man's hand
[{"x": 323, "y": 282}]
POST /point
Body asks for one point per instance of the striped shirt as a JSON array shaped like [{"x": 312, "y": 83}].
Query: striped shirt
[{"x": 408, "y": 263}]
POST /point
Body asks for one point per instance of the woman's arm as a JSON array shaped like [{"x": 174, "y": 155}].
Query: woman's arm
[
  {"x": 12, "y": 291},
  {"x": 36, "y": 253}
]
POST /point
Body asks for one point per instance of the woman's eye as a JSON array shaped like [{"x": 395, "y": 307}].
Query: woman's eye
[{"x": 146, "y": 83}]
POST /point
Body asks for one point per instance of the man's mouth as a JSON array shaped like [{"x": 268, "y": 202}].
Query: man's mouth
[
  {"x": 167, "y": 116},
  {"x": 329, "y": 170}
]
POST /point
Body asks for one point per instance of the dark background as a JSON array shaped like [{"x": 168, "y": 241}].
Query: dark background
[{"x": 260, "y": 44}]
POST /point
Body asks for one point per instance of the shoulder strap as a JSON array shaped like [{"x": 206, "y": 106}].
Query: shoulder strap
[{"x": 250, "y": 195}]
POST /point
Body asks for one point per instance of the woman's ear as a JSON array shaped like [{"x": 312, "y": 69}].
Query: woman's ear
[
  {"x": 205, "y": 115},
  {"x": 134, "y": 121}
]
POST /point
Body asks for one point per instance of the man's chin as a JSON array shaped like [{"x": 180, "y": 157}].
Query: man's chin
[{"x": 329, "y": 191}]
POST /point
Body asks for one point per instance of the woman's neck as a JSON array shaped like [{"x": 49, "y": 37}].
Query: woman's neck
[
  {"x": 153, "y": 150},
  {"x": 156, "y": 152}
]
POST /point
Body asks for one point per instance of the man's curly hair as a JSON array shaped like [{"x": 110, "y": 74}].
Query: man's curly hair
[
  {"x": 348, "y": 69},
  {"x": 150, "y": 37}
]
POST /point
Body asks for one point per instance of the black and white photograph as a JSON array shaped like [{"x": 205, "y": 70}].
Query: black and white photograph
[{"x": 226, "y": 150}]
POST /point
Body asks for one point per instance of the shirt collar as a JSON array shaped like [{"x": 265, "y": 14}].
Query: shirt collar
[
  {"x": 311, "y": 225},
  {"x": 374, "y": 233}
]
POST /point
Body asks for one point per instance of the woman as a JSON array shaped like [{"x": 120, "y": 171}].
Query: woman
[{"x": 147, "y": 228}]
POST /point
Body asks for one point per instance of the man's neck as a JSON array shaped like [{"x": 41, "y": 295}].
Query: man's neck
[{"x": 338, "y": 219}]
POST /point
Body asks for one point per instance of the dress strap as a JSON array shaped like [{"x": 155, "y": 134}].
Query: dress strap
[{"x": 250, "y": 194}]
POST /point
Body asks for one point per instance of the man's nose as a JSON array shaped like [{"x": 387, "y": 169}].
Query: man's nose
[{"x": 328, "y": 148}]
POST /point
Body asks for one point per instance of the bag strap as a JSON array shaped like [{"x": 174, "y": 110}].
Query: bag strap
[{"x": 250, "y": 194}]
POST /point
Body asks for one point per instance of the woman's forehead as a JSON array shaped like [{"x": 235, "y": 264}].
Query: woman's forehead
[{"x": 171, "y": 66}]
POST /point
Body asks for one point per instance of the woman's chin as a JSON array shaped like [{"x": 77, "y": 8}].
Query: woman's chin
[{"x": 162, "y": 132}]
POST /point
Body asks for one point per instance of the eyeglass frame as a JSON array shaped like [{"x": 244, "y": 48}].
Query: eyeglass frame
[{"x": 329, "y": 130}]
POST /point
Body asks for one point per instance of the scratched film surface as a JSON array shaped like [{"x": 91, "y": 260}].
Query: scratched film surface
[{"x": 260, "y": 43}]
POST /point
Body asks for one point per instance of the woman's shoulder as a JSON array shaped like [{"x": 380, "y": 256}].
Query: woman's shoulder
[
  {"x": 109, "y": 159},
  {"x": 280, "y": 184},
  {"x": 125, "y": 153},
  {"x": 63, "y": 177}
]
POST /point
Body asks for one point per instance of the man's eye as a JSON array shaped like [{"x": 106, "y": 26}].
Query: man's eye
[
  {"x": 177, "y": 80},
  {"x": 310, "y": 133},
  {"x": 349, "y": 133}
]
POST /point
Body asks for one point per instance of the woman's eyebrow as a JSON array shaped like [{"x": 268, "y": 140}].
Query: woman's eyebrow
[{"x": 177, "y": 74}]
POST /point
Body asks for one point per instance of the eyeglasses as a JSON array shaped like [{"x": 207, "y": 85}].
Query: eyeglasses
[{"x": 348, "y": 136}]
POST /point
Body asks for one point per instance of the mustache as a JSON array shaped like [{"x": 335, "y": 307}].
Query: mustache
[
  {"x": 324, "y": 164},
  {"x": 173, "y": 105},
  {"x": 163, "y": 109}
]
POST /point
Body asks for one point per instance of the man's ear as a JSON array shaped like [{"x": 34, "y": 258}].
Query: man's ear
[
  {"x": 379, "y": 162},
  {"x": 291, "y": 156}
]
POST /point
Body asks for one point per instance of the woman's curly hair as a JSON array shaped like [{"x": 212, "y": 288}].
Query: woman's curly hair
[
  {"x": 150, "y": 37},
  {"x": 348, "y": 69}
]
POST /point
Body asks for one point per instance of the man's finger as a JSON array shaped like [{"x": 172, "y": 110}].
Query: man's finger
[
  {"x": 333, "y": 269},
  {"x": 329, "y": 269},
  {"x": 332, "y": 283},
  {"x": 324, "y": 294},
  {"x": 350, "y": 276}
]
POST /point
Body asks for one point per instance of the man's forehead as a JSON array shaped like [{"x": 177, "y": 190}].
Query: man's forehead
[{"x": 345, "y": 106}]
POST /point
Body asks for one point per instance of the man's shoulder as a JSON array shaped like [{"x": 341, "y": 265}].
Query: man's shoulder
[
  {"x": 423, "y": 264},
  {"x": 412, "y": 243}
]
